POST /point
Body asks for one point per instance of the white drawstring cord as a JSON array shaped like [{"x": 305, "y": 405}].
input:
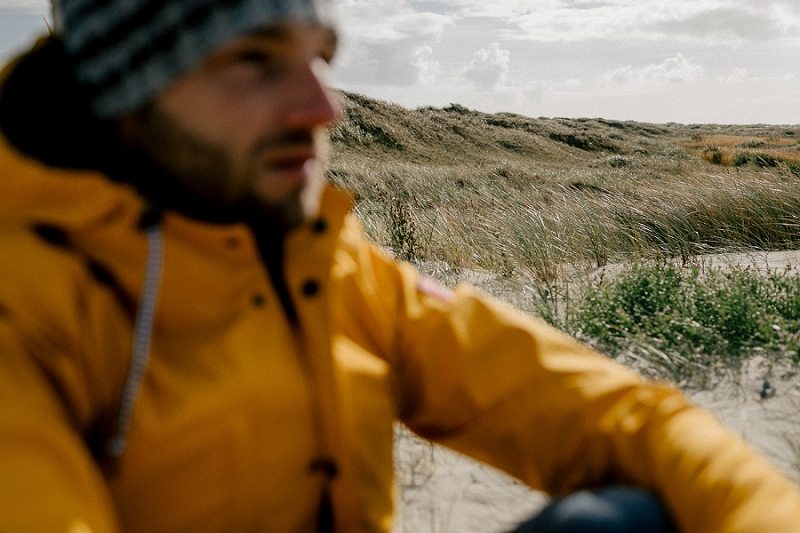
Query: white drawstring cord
[{"x": 142, "y": 340}]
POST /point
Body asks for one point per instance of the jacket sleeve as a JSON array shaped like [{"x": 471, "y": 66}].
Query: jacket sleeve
[
  {"x": 52, "y": 385},
  {"x": 49, "y": 481},
  {"x": 478, "y": 376}
]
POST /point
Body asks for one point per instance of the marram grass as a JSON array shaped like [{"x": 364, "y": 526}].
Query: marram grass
[{"x": 531, "y": 207}]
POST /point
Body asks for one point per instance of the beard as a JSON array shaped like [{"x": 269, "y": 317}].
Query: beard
[{"x": 203, "y": 177}]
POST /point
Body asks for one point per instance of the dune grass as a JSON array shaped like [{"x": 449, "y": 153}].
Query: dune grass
[
  {"x": 507, "y": 219},
  {"x": 538, "y": 203}
]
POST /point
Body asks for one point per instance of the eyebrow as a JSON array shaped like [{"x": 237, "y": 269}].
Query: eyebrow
[{"x": 284, "y": 33}]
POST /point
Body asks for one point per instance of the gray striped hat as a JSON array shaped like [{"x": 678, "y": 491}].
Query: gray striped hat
[{"x": 125, "y": 51}]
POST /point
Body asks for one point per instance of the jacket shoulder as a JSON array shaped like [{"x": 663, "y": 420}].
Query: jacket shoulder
[{"x": 66, "y": 315}]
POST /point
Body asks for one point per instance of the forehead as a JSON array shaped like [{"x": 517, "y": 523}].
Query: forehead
[{"x": 290, "y": 34}]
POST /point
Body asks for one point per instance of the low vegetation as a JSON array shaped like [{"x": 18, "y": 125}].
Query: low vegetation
[
  {"x": 531, "y": 208},
  {"x": 738, "y": 150},
  {"x": 686, "y": 319}
]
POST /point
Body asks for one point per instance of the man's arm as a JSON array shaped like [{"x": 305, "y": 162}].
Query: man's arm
[
  {"x": 49, "y": 481},
  {"x": 54, "y": 324},
  {"x": 522, "y": 396},
  {"x": 475, "y": 375}
]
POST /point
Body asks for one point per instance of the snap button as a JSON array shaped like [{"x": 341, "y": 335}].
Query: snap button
[
  {"x": 257, "y": 300},
  {"x": 320, "y": 226},
  {"x": 310, "y": 287},
  {"x": 232, "y": 242}
]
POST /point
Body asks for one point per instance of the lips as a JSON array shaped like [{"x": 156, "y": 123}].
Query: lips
[
  {"x": 291, "y": 160},
  {"x": 286, "y": 171},
  {"x": 287, "y": 162},
  {"x": 288, "y": 153}
]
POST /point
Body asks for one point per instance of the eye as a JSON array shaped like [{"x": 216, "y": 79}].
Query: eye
[
  {"x": 260, "y": 63},
  {"x": 256, "y": 57}
]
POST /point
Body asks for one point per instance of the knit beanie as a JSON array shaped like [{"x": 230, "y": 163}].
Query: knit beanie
[{"x": 125, "y": 51}]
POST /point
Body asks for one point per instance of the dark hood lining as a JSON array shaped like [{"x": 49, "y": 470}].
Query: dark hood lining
[{"x": 45, "y": 115}]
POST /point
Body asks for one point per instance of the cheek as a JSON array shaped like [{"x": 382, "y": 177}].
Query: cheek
[
  {"x": 224, "y": 118},
  {"x": 246, "y": 124}
]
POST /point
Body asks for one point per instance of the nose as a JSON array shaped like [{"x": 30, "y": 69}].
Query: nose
[{"x": 312, "y": 102}]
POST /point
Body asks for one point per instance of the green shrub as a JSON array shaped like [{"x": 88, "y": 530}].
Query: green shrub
[
  {"x": 697, "y": 314},
  {"x": 714, "y": 154},
  {"x": 766, "y": 161}
]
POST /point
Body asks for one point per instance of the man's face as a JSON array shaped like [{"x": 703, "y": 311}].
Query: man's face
[{"x": 248, "y": 126}]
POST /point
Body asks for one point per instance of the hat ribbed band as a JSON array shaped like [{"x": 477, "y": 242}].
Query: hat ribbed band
[{"x": 126, "y": 51}]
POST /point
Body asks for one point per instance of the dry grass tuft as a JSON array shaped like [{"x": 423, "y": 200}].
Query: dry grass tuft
[
  {"x": 739, "y": 150},
  {"x": 511, "y": 194}
]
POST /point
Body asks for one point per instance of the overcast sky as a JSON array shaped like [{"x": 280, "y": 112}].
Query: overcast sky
[{"x": 689, "y": 61}]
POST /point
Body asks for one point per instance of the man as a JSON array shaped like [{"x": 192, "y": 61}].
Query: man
[{"x": 196, "y": 336}]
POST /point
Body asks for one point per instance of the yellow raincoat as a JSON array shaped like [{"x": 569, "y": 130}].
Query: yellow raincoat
[{"x": 244, "y": 417}]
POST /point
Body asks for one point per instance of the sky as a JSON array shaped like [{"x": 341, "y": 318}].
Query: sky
[{"x": 686, "y": 61}]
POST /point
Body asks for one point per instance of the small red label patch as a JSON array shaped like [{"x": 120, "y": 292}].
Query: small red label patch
[{"x": 431, "y": 287}]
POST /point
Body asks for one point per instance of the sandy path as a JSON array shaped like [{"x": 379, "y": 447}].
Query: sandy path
[
  {"x": 760, "y": 261},
  {"x": 449, "y": 492},
  {"x": 763, "y": 261},
  {"x": 772, "y": 423}
]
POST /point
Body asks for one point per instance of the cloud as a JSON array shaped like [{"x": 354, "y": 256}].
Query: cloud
[
  {"x": 676, "y": 69},
  {"x": 387, "y": 42},
  {"x": 731, "y": 24},
  {"x": 737, "y": 74},
  {"x": 728, "y": 21},
  {"x": 388, "y": 64},
  {"x": 38, "y": 6},
  {"x": 534, "y": 95},
  {"x": 387, "y": 21},
  {"x": 489, "y": 67},
  {"x": 426, "y": 67}
]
